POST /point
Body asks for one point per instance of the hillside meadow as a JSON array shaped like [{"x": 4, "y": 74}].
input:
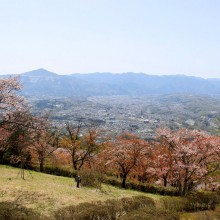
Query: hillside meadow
[
  {"x": 46, "y": 193},
  {"x": 43, "y": 196}
]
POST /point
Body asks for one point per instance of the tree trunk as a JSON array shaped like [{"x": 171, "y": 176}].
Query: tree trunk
[
  {"x": 81, "y": 164},
  {"x": 42, "y": 165},
  {"x": 180, "y": 188},
  {"x": 75, "y": 165},
  {"x": 123, "y": 184},
  {"x": 164, "y": 181},
  {"x": 1, "y": 157},
  {"x": 22, "y": 171},
  {"x": 185, "y": 188}
]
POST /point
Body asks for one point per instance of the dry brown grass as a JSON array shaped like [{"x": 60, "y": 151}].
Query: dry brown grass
[
  {"x": 204, "y": 215},
  {"x": 46, "y": 193}
]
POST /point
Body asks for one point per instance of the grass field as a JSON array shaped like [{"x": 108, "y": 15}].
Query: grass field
[
  {"x": 46, "y": 193},
  {"x": 204, "y": 215}
]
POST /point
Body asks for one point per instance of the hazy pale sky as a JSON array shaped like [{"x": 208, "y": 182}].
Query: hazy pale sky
[{"x": 80, "y": 36}]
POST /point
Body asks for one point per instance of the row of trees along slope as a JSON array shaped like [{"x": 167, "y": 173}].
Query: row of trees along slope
[{"x": 183, "y": 159}]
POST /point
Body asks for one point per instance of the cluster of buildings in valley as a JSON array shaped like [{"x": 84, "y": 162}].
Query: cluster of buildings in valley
[{"x": 140, "y": 115}]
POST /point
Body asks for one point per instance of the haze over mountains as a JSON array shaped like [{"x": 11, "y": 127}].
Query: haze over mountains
[{"x": 45, "y": 83}]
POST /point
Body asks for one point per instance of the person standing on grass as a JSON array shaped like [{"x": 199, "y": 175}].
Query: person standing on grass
[{"x": 78, "y": 180}]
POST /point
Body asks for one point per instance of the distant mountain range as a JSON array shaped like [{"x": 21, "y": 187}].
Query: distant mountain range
[{"x": 42, "y": 83}]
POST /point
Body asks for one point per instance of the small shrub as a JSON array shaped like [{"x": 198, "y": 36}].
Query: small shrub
[
  {"x": 113, "y": 181},
  {"x": 193, "y": 202},
  {"x": 88, "y": 178},
  {"x": 58, "y": 171},
  {"x": 150, "y": 213},
  {"x": 177, "y": 204},
  {"x": 202, "y": 201},
  {"x": 10, "y": 211},
  {"x": 149, "y": 188},
  {"x": 89, "y": 211},
  {"x": 109, "y": 210}
]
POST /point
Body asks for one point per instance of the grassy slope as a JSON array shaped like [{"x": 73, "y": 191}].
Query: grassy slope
[
  {"x": 204, "y": 215},
  {"x": 46, "y": 193}
]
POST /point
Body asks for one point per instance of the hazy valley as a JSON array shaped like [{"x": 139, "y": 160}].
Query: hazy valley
[{"x": 140, "y": 115}]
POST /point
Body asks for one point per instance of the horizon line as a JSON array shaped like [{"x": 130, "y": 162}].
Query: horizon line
[{"x": 106, "y": 72}]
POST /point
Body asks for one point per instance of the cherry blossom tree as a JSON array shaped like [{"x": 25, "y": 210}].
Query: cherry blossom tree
[
  {"x": 10, "y": 102},
  {"x": 162, "y": 163},
  {"x": 9, "y": 99},
  {"x": 143, "y": 171},
  {"x": 188, "y": 157},
  {"x": 125, "y": 154}
]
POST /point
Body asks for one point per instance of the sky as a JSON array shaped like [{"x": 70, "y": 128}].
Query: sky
[{"x": 159, "y": 37}]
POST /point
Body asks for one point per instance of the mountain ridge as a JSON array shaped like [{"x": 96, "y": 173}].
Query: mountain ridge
[{"x": 42, "y": 82}]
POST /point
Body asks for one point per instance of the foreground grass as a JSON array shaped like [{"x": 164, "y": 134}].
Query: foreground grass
[
  {"x": 47, "y": 193},
  {"x": 204, "y": 215},
  {"x": 43, "y": 196}
]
